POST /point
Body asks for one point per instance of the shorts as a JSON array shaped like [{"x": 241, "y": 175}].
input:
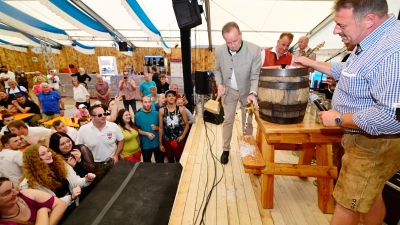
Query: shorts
[
  {"x": 171, "y": 151},
  {"x": 368, "y": 162}
]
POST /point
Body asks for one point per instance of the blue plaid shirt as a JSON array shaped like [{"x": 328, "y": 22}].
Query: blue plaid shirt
[{"x": 370, "y": 81}]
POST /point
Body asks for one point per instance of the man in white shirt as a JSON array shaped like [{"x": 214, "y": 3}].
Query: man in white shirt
[
  {"x": 5, "y": 75},
  {"x": 59, "y": 126},
  {"x": 54, "y": 81},
  {"x": 7, "y": 119},
  {"x": 30, "y": 134},
  {"x": 104, "y": 139},
  {"x": 11, "y": 158}
]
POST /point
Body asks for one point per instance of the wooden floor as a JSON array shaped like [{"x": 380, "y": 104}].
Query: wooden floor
[{"x": 236, "y": 200}]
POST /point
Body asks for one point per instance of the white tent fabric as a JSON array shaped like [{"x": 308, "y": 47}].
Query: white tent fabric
[{"x": 261, "y": 22}]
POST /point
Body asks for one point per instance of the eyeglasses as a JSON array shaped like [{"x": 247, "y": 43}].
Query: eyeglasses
[{"x": 100, "y": 115}]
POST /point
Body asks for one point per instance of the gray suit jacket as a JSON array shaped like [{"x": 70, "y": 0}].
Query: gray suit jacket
[{"x": 246, "y": 63}]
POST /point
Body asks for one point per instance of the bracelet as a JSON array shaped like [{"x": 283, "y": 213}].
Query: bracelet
[{"x": 72, "y": 199}]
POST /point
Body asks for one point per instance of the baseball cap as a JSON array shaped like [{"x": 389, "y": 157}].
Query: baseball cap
[
  {"x": 170, "y": 91},
  {"x": 82, "y": 106}
]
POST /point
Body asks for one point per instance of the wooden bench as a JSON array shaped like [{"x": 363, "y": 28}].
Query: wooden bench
[{"x": 252, "y": 164}]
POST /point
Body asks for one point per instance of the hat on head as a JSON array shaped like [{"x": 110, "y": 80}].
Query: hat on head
[
  {"x": 170, "y": 91},
  {"x": 82, "y": 106},
  {"x": 96, "y": 103}
]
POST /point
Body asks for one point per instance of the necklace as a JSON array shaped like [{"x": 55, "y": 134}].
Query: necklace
[{"x": 19, "y": 210}]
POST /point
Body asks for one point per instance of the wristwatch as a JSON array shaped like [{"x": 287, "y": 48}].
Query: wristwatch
[{"x": 338, "y": 120}]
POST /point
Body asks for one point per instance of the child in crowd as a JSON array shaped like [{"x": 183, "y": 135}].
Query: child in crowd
[
  {"x": 82, "y": 121},
  {"x": 160, "y": 101},
  {"x": 82, "y": 111},
  {"x": 190, "y": 116}
]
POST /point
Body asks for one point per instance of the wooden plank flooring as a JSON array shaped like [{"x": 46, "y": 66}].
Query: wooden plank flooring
[{"x": 236, "y": 198}]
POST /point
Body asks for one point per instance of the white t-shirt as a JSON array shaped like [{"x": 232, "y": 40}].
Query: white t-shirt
[
  {"x": 9, "y": 75},
  {"x": 80, "y": 93},
  {"x": 4, "y": 129},
  {"x": 35, "y": 133},
  {"x": 72, "y": 133},
  {"x": 11, "y": 165},
  {"x": 102, "y": 144},
  {"x": 55, "y": 83}
]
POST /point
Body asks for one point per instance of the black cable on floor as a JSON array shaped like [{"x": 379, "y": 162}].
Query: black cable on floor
[{"x": 215, "y": 182}]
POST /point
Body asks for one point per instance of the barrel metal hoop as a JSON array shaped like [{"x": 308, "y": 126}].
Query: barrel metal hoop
[
  {"x": 284, "y": 72},
  {"x": 279, "y": 107},
  {"x": 283, "y": 85},
  {"x": 281, "y": 120}
]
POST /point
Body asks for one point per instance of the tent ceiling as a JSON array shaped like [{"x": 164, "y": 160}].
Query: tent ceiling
[{"x": 261, "y": 21}]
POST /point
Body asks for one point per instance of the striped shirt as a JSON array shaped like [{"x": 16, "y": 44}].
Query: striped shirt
[{"x": 370, "y": 81}]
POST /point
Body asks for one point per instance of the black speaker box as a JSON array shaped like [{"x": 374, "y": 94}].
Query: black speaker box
[
  {"x": 187, "y": 13},
  {"x": 123, "y": 46},
  {"x": 214, "y": 118},
  {"x": 203, "y": 82}
]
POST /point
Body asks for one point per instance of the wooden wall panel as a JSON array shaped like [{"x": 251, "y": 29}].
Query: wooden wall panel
[{"x": 202, "y": 59}]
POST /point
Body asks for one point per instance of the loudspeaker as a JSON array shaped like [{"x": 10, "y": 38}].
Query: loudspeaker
[
  {"x": 187, "y": 13},
  {"x": 203, "y": 82},
  {"x": 123, "y": 46},
  {"x": 214, "y": 118}
]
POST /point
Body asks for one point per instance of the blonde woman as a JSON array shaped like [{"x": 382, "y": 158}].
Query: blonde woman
[{"x": 82, "y": 77}]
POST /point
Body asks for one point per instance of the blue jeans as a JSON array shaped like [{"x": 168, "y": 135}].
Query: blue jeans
[{"x": 131, "y": 103}]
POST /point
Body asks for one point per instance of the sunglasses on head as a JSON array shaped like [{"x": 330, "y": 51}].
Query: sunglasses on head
[{"x": 101, "y": 114}]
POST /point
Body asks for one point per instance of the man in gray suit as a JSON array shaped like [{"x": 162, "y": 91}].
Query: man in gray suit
[{"x": 237, "y": 68}]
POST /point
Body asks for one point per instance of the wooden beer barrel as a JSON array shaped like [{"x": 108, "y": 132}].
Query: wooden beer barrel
[{"x": 283, "y": 94}]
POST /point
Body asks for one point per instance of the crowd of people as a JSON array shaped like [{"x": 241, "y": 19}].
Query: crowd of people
[{"x": 62, "y": 163}]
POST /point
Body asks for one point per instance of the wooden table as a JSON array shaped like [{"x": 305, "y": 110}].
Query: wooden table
[
  {"x": 20, "y": 116},
  {"x": 66, "y": 120},
  {"x": 314, "y": 137}
]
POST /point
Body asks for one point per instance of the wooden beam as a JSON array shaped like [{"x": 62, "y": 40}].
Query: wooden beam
[
  {"x": 267, "y": 181},
  {"x": 325, "y": 186},
  {"x": 328, "y": 172},
  {"x": 251, "y": 162}
]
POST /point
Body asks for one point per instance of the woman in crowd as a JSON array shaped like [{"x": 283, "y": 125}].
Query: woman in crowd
[
  {"x": 82, "y": 77},
  {"x": 47, "y": 171},
  {"x": 81, "y": 95},
  {"x": 131, "y": 151},
  {"x": 28, "y": 206},
  {"x": 36, "y": 88},
  {"x": 16, "y": 89},
  {"x": 78, "y": 157},
  {"x": 153, "y": 96}
]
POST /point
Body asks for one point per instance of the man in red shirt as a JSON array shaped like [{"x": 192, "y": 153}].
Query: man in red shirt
[{"x": 279, "y": 54}]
